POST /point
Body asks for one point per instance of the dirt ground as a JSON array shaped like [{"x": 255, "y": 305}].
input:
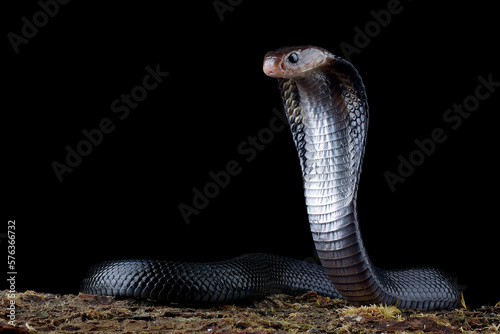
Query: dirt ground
[{"x": 48, "y": 313}]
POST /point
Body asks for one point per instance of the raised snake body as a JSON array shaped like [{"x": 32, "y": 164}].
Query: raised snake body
[{"x": 326, "y": 106}]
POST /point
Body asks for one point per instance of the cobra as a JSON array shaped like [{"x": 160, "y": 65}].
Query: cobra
[{"x": 326, "y": 105}]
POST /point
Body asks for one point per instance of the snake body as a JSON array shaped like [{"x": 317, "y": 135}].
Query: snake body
[{"x": 326, "y": 105}]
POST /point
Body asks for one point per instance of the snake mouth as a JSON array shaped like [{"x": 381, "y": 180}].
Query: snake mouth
[{"x": 271, "y": 65}]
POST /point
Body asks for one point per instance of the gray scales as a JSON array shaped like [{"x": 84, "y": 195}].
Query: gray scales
[{"x": 326, "y": 106}]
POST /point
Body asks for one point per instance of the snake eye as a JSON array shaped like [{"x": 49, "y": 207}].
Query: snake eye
[{"x": 293, "y": 58}]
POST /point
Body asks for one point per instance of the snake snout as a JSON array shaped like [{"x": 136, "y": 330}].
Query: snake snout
[
  {"x": 272, "y": 66},
  {"x": 269, "y": 68}
]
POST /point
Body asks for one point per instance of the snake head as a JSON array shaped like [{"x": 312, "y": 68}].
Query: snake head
[{"x": 296, "y": 61}]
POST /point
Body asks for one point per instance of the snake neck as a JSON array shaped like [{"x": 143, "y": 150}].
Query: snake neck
[{"x": 328, "y": 116}]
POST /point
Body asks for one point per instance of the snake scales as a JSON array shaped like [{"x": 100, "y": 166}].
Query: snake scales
[{"x": 325, "y": 101}]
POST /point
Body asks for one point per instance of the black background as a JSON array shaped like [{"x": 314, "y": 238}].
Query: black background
[{"x": 122, "y": 200}]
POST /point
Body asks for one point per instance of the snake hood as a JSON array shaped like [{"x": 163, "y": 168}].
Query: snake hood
[{"x": 327, "y": 108}]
